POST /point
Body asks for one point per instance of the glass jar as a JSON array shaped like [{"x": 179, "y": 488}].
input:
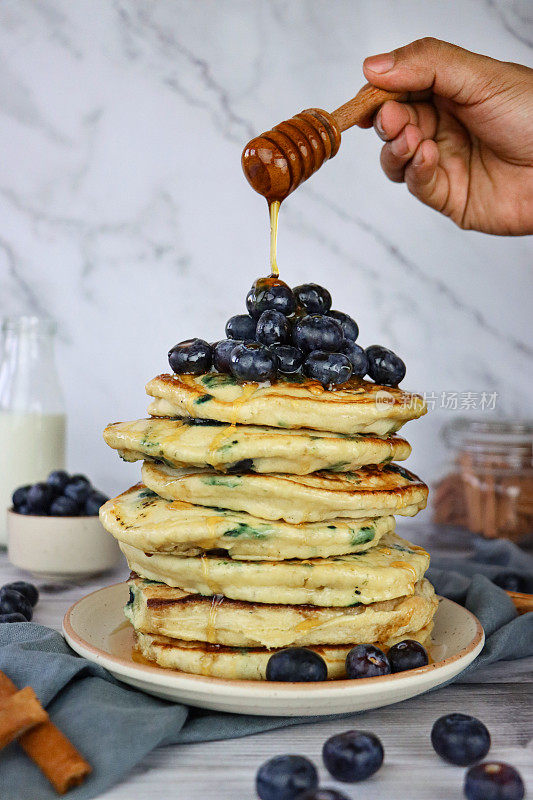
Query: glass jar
[
  {"x": 32, "y": 410},
  {"x": 489, "y": 489}
]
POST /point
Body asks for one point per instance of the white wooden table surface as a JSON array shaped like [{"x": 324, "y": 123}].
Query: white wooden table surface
[{"x": 501, "y": 696}]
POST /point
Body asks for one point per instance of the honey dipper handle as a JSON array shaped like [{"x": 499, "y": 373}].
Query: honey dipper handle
[{"x": 361, "y": 108}]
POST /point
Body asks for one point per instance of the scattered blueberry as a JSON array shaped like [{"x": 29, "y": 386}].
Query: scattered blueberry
[
  {"x": 273, "y": 328},
  {"x": 93, "y": 503},
  {"x": 270, "y": 294},
  {"x": 241, "y": 327},
  {"x": 493, "y": 780},
  {"x": 408, "y": 654},
  {"x": 366, "y": 661},
  {"x": 20, "y": 496},
  {"x": 77, "y": 489},
  {"x": 353, "y": 756},
  {"x": 289, "y": 359},
  {"x": 357, "y": 356},
  {"x": 64, "y": 507},
  {"x": 384, "y": 366},
  {"x": 314, "y": 298},
  {"x": 460, "y": 739},
  {"x": 39, "y": 497},
  {"x": 511, "y": 582},
  {"x": 221, "y": 353},
  {"x": 328, "y": 368},
  {"x": 285, "y": 778},
  {"x": 322, "y": 794},
  {"x": 192, "y": 356},
  {"x": 58, "y": 480},
  {"x": 317, "y": 332},
  {"x": 28, "y": 590},
  {"x": 251, "y": 361},
  {"x": 14, "y": 617},
  {"x": 296, "y": 664},
  {"x": 13, "y": 602},
  {"x": 23, "y": 509},
  {"x": 349, "y": 326}
]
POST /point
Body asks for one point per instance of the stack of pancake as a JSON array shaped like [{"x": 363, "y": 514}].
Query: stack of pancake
[{"x": 265, "y": 520}]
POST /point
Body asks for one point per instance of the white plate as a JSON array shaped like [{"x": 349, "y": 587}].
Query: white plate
[{"x": 96, "y": 629}]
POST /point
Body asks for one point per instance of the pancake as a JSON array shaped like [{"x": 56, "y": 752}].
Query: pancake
[
  {"x": 180, "y": 442},
  {"x": 357, "y": 406},
  {"x": 241, "y": 663},
  {"x": 385, "y": 572},
  {"x": 368, "y": 492},
  {"x": 142, "y": 519},
  {"x": 162, "y": 610}
]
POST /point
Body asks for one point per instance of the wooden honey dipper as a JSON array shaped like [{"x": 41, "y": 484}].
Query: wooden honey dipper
[{"x": 279, "y": 160}]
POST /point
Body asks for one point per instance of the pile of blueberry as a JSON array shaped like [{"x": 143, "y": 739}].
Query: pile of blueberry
[
  {"x": 61, "y": 495},
  {"x": 298, "y": 664},
  {"x": 354, "y": 756},
  {"x": 289, "y": 332},
  {"x": 17, "y": 601}
]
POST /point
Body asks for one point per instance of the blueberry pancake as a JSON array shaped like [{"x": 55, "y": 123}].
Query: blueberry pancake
[
  {"x": 162, "y": 610},
  {"x": 357, "y": 406},
  {"x": 142, "y": 519},
  {"x": 389, "y": 570},
  {"x": 242, "y": 663},
  {"x": 249, "y": 448},
  {"x": 370, "y": 491}
]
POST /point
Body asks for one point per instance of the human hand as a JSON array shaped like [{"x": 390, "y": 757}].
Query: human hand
[{"x": 464, "y": 142}]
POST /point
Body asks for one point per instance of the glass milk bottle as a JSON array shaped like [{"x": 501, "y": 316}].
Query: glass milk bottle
[{"x": 32, "y": 412}]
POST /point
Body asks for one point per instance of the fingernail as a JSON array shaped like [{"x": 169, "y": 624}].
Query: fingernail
[
  {"x": 378, "y": 125},
  {"x": 381, "y": 63},
  {"x": 418, "y": 157},
  {"x": 399, "y": 145}
]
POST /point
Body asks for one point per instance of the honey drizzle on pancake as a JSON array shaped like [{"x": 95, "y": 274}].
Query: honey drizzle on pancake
[
  {"x": 210, "y": 628},
  {"x": 214, "y": 587}
]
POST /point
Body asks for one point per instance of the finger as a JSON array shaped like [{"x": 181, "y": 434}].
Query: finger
[
  {"x": 393, "y": 117},
  {"x": 428, "y": 63},
  {"x": 426, "y": 179},
  {"x": 395, "y": 155}
]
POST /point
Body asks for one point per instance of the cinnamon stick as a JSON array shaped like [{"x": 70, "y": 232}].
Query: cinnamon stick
[
  {"x": 18, "y": 714},
  {"x": 50, "y": 749}
]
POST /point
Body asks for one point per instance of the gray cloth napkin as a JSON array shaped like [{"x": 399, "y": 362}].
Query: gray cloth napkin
[{"x": 114, "y": 726}]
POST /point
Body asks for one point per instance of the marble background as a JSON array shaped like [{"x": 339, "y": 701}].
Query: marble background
[{"x": 126, "y": 218}]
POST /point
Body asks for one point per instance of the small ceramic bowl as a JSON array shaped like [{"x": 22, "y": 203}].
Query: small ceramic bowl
[{"x": 60, "y": 548}]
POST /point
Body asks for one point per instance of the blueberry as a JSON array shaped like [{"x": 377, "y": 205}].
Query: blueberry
[
  {"x": 251, "y": 361},
  {"x": 317, "y": 332},
  {"x": 23, "y": 509},
  {"x": 192, "y": 357},
  {"x": 314, "y": 298},
  {"x": 65, "y": 507},
  {"x": 349, "y": 326},
  {"x": 408, "y": 654},
  {"x": 15, "y": 617},
  {"x": 384, "y": 366},
  {"x": 270, "y": 294},
  {"x": 58, "y": 479},
  {"x": 241, "y": 327},
  {"x": 93, "y": 503},
  {"x": 493, "y": 780},
  {"x": 39, "y": 497},
  {"x": 510, "y": 581},
  {"x": 328, "y": 368},
  {"x": 28, "y": 590},
  {"x": 296, "y": 664},
  {"x": 460, "y": 739},
  {"x": 358, "y": 358},
  {"x": 13, "y": 602},
  {"x": 322, "y": 794},
  {"x": 289, "y": 359},
  {"x": 285, "y": 778},
  {"x": 353, "y": 756},
  {"x": 366, "y": 661},
  {"x": 273, "y": 328},
  {"x": 221, "y": 353},
  {"x": 20, "y": 496},
  {"x": 77, "y": 489}
]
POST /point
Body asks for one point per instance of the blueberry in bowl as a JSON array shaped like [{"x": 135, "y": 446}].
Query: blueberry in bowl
[
  {"x": 367, "y": 661},
  {"x": 296, "y": 664},
  {"x": 408, "y": 654}
]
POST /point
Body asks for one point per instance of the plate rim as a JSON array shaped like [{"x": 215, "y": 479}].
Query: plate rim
[{"x": 173, "y": 679}]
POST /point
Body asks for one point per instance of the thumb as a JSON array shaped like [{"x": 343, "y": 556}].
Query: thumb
[{"x": 448, "y": 70}]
